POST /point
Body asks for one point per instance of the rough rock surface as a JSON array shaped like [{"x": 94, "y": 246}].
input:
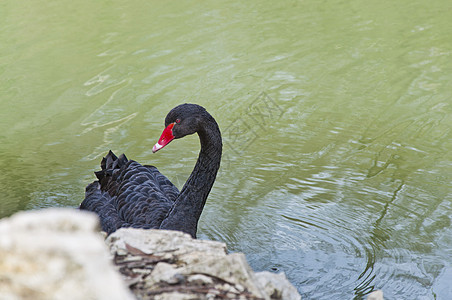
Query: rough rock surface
[
  {"x": 56, "y": 254},
  {"x": 277, "y": 286},
  {"x": 59, "y": 254},
  {"x": 375, "y": 295},
  {"x": 161, "y": 264}
]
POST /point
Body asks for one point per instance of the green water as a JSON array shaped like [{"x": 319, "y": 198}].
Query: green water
[{"x": 336, "y": 118}]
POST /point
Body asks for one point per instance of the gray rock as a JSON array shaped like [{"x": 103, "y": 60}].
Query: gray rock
[
  {"x": 60, "y": 254},
  {"x": 56, "y": 254},
  {"x": 232, "y": 269},
  {"x": 199, "y": 279},
  {"x": 277, "y": 286},
  {"x": 185, "y": 268},
  {"x": 165, "y": 273},
  {"x": 163, "y": 242},
  {"x": 375, "y": 295}
]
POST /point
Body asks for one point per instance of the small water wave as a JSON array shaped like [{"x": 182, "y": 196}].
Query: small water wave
[{"x": 341, "y": 177}]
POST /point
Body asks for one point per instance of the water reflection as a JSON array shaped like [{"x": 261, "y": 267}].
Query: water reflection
[{"x": 335, "y": 117}]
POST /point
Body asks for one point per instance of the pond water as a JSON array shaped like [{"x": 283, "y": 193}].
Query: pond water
[{"x": 336, "y": 119}]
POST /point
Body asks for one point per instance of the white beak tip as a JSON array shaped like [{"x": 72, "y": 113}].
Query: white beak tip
[{"x": 156, "y": 147}]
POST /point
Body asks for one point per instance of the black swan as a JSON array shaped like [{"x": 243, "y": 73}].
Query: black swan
[{"x": 128, "y": 194}]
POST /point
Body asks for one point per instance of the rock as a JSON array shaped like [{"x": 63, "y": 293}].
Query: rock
[
  {"x": 375, "y": 295},
  {"x": 277, "y": 286},
  {"x": 56, "y": 254},
  {"x": 163, "y": 243},
  {"x": 185, "y": 268},
  {"x": 232, "y": 269},
  {"x": 166, "y": 273},
  {"x": 200, "y": 279},
  {"x": 60, "y": 254}
]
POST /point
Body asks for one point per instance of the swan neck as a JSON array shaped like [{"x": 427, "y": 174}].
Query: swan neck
[{"x": 188, "y": 207}]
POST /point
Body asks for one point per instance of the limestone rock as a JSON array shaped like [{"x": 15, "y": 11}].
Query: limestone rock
[
  {"x": 277, "y": 286},
  {"x": 60, "y": 254},
  {"x": 375, "y": 295},
  {"x": 56, "y": 254},
  {"x": 163, "y": 242},
  {"x": 172, "y": 265}
]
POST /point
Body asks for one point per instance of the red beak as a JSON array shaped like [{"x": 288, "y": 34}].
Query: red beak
[{"x": 166, "y": 137}]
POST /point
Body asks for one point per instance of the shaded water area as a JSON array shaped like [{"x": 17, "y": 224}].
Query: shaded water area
[{"x": 336, "y": 118}]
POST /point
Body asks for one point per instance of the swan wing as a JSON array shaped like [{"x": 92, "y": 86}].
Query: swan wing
[{"x": 129, "y": 194}]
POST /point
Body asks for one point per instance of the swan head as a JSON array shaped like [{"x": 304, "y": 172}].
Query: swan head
[{"x": 184, "y": 119}]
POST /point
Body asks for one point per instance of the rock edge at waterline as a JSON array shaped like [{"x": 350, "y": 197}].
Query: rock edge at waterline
[{"x": 59, "y": 254}]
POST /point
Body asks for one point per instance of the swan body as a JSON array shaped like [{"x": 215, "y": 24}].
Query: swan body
[{"x": 128, "y": 194}]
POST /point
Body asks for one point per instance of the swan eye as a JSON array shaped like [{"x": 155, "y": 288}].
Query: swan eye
[{"x": 177, "y": 121}]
